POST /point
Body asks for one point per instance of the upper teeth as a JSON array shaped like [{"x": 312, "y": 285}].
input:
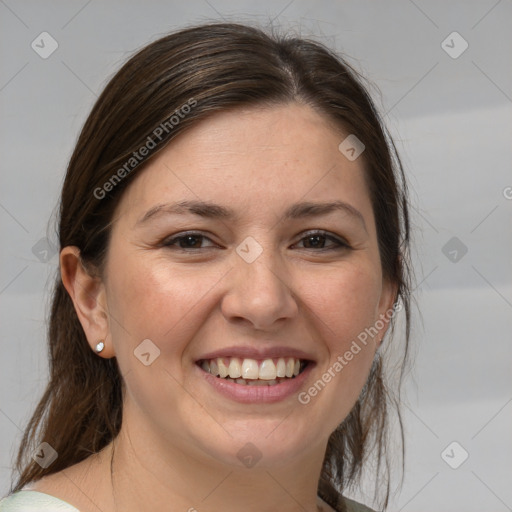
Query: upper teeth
[{"x": 267, "y": 369}]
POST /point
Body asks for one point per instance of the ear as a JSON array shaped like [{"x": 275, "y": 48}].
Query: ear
[
  {"x": 387, "y": 309},
  {"x": 89, "y": 298}
]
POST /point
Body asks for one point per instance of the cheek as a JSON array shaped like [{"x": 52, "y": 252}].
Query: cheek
[
  {"x": 344, "y": 305},
  {"x": 344, "y": 301},
  {"x": 151, "y": 300},
  {"x": 154, "y": 300}
]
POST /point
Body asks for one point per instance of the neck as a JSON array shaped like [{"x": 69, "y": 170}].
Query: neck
[{"x": 152, "y": 479}]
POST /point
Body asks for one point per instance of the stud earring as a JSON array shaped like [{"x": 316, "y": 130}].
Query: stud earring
[{"x": 99, "y": 347}]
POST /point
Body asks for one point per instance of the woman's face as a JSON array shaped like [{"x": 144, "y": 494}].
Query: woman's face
[{"x": 256, "y": 277}]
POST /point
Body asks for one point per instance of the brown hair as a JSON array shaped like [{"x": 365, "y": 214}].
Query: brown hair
[{"x": 214, "y": 67}]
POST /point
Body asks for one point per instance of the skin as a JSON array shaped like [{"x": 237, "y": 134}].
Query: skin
[{"x": 179, "y": 437}]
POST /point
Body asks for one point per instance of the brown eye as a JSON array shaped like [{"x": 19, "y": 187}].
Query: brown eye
[
  {"x": 187, "y": 241},
  {"x": 190, "y": 241},
  {"x": 318, "y": 240}
]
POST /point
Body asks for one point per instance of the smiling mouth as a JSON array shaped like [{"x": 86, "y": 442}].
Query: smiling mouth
[{"x": 254, "y": 372}]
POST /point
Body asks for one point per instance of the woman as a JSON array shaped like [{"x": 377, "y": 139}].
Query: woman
[{"x": 233, "y": 229}]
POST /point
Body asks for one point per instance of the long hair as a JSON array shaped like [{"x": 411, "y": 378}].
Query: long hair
[{"x": 214, "y": 67}]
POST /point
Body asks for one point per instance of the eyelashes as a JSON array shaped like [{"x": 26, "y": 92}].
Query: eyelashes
[
  {"x": 315, "y": 235},
  {"x": 172, "y": 242},
  {"x": 191, "y": 242}
]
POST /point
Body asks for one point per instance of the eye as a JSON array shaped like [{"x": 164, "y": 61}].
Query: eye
[
  {"x": 313, "y": 240},
  {"x": 318, "y": 239},
  {"x": 186, "y": 241}
]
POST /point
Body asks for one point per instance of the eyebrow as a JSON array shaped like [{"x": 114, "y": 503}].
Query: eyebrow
[{"x": 215, "y": 211}]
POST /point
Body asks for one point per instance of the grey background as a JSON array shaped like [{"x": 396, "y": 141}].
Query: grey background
[{"x": 451, "y": 118}]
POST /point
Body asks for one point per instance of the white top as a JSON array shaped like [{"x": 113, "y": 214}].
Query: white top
[{"x": 35, "y": 501}]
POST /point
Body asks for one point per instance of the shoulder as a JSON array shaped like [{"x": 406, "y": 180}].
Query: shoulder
[
  {"x": 34, "y": 501},
  {"x": 77, "y": 488},
  {"x": 342, "y": 504},
  {"x": 354, "y": 506}
]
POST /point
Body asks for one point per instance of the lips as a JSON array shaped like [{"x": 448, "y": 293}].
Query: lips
[
  {"x": 257, "y": 391},
  {"x": 260, "y": 353},
  {"x": 245, "y": 373}
]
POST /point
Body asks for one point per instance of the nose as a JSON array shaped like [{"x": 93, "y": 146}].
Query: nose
[{"x": 259, "y": 294}]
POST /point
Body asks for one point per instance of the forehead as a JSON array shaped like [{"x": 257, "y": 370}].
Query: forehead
[{"x": 251, "y": 159}]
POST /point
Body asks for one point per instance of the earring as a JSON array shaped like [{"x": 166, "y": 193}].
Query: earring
[{"x": 99, "y": 347}]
